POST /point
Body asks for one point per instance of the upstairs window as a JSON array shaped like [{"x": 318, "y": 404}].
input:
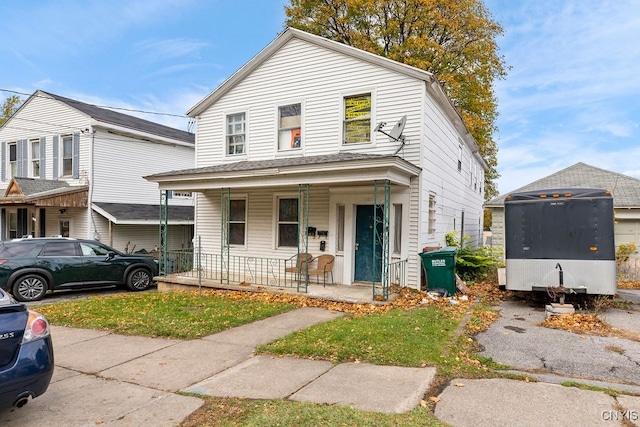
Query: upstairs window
[
  {"x": 289, "y": 127},
  {"x": 13, "y": 159},
  {"x": 67, "y": 155},
  {"x": 460, "y": 157},
  {"x": 357, "y": 118},
  {"x": 236, "y": 133},
  {"x": 35, "y": 158}
]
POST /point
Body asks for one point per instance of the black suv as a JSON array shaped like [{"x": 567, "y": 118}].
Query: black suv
[{"x": 30, "y": 267}]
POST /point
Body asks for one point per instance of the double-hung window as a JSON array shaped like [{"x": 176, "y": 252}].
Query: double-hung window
[
  {"x": 13, "y": 159},
  {"x": 35, "y": 158},
  {"x": 237, "y": 222},
  {"x": 357, "y": 118},
  {"x": 67, "y": 155},
  {"x": 289, "y": 127},
  {"x": 287, "y": 222},
  {"x": 236, "y": 133}
]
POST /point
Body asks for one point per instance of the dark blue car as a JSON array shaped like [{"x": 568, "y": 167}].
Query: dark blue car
[{"x": 26, "y": 353}]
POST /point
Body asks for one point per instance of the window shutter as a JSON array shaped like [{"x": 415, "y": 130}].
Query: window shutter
[
  {"x": 3, "y": 172},
  {"x": 56, "y": 153},
  {"x": 43, "y": 174},
  {"x": 76, "y": 155},
  {"x": 23, "y": 158}
]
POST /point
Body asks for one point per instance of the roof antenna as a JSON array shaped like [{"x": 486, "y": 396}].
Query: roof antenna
[{"x": 394, "y": 134}]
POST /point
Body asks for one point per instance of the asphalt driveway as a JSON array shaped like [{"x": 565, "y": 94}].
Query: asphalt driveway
[{"x": 552, "y": 355}]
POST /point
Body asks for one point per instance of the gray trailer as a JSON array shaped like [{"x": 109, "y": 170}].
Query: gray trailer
[{"x": 560, "y": 241}]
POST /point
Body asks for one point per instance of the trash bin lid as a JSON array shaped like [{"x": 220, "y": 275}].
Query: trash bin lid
[{"x": 446, "y": 251}]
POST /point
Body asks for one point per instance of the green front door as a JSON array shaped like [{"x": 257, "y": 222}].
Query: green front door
[{"x": 367, "y": 267}]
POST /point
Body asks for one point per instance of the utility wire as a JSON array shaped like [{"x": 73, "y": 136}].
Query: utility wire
[{"x": 133, "y": 110}]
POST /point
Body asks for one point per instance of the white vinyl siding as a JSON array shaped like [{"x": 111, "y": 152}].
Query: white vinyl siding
[
  {"x": 122, "y": 181},
  {"x": 323, "y": 90}
]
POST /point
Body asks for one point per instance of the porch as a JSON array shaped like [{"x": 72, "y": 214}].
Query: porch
[{"x": 187, "y": 270}]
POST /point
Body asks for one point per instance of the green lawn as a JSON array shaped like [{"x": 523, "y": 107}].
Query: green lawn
[
  {"x": 184, "y": 315},
  {"x": 399, "y": 337},
  {"x": 409, "y": 335}
]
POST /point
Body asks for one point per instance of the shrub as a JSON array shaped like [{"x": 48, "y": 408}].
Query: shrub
[{"x": 474, "y": 263}]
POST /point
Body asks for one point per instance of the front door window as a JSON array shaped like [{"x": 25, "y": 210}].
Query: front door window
[{"x": 65, "y": 227}]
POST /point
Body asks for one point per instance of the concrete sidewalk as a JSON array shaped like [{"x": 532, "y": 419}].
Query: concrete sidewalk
[{"x": 109, "y": 379}]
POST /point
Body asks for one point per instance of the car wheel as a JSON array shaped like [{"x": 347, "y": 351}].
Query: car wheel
[
  {"x": 31, "y": 287},
  {"x": 139, "y": 280}
]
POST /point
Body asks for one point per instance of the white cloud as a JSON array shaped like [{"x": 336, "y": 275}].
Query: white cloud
[{"x": 170, "y": 48}]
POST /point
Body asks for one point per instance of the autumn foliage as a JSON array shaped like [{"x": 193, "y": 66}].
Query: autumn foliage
[{"x": 453, "y": 39}]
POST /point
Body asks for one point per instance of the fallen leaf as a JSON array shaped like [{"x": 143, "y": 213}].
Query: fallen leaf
[
  {"x": 434, "y": 399},
  {"x": 459, "y": 385}
]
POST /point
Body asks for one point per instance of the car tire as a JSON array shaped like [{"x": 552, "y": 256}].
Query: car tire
[
  {"x": 30, "y": 287},
  {"x": 139, "y": 280}
]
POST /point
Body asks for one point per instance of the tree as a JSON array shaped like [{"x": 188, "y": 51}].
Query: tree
[
  {"x": 11, "y": 104},
  {"x": 453, "y": 39}
]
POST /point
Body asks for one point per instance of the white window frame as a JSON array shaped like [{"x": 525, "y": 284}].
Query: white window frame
[
  {"x": 460, "y": 156},
  {"x": 34, "y": 157},
  {"x": 69, "y": 159},
  {"x": 228, "y": 135},
  {"x": 431, "y": 225},
  {"x": 243, "y": 221},
  {"x": 12, "y": 165},
  {"x": 286, "y": 139},
  {"x": 340, "y": 224},
  {"x": 277, "y": 222},
  {"x": 61, "y": 220},
  {"x": 344, "y": 119},
  {"x": 397, "y": 228}
]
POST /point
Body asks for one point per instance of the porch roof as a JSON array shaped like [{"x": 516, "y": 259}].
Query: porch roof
[
  {"x": 138, "y": 214},
  {"x": 336, "y": 169},
  {"x": 43, "y": 192}
]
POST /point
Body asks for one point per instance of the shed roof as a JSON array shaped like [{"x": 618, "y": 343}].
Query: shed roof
[
  {"x": 128, "y": 213},
  {"x": 625, "y": 189}
]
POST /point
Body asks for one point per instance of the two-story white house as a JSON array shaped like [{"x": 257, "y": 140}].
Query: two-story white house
[
  {"x": 303, "y": 150},
  {"x": 74, "y": 169}
]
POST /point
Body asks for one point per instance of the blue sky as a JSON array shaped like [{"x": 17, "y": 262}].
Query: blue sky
[{"x": 572, "y": 93}]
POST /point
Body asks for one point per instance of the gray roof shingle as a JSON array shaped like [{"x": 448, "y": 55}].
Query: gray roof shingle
[
  {"x": 112, "y": 117},
  {"x": 133, "y": 212},
  {"x": 625, "y": 189},
  {"x": 276, "y": 163}
]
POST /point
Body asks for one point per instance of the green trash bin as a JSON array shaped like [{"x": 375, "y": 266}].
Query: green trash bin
[{"x": 440, "y": 268}]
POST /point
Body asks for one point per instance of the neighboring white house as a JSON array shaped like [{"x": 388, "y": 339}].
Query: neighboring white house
[
  {"x": 75, "y": 169},
  {"x": 302, "y": 123},
  {"x": 625, "y": 191}
]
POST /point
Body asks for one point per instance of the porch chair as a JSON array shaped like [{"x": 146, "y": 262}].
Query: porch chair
[
  {"x": 325, "y": 265},
  {"x": 300, "y": 260}
]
